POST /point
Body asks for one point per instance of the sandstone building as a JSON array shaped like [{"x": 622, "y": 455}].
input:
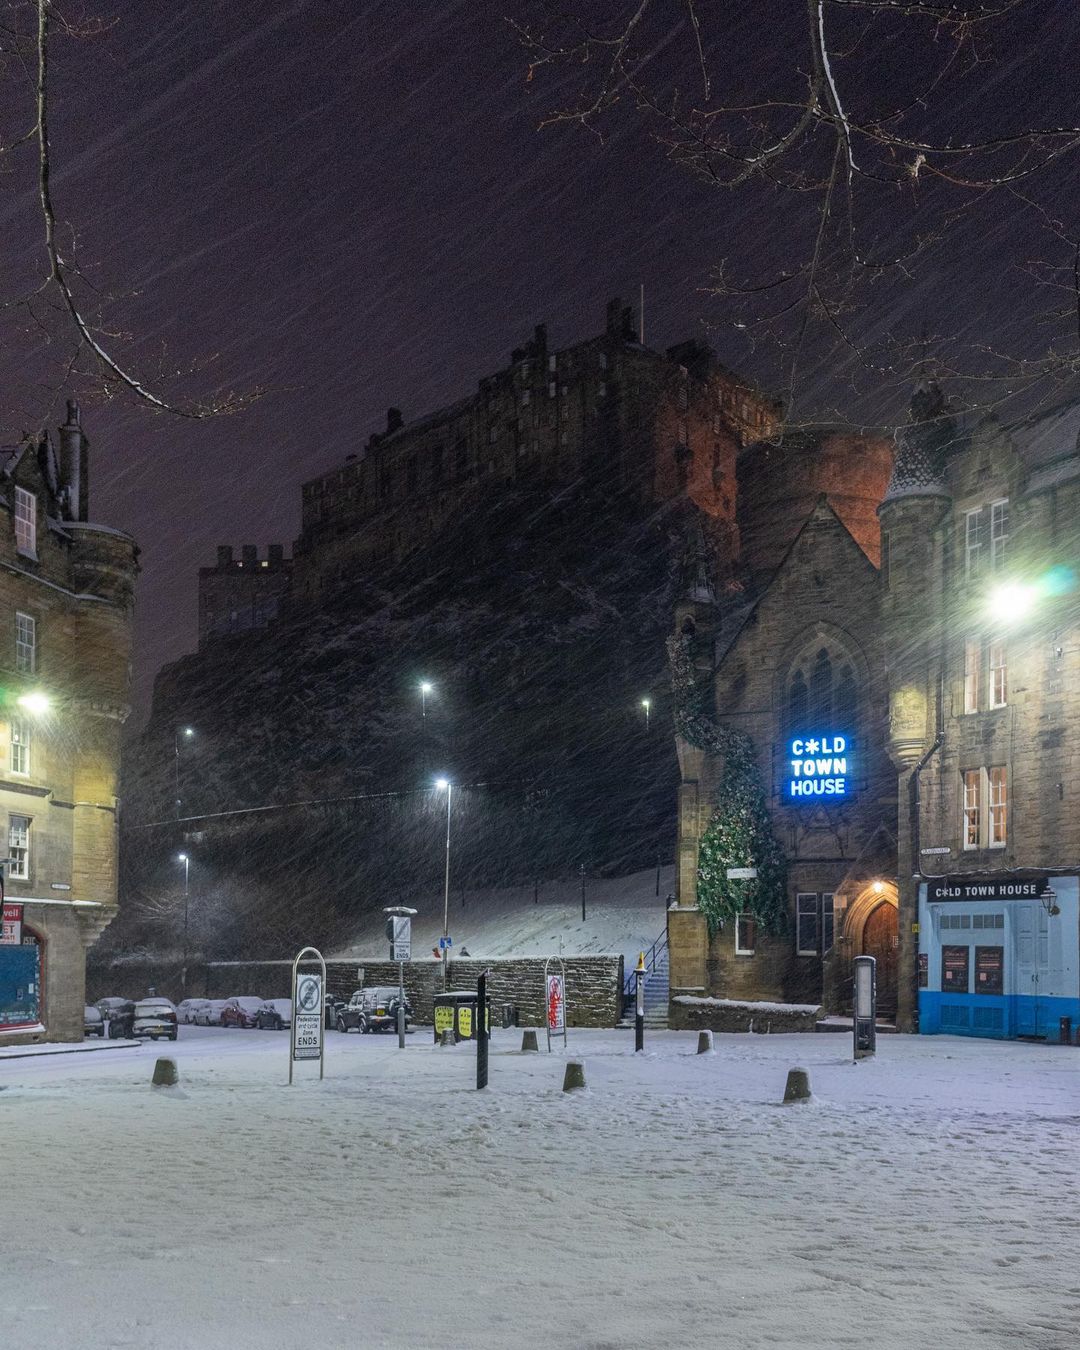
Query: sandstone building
[
  {"x": 899, "y": 637},
  {"x": 66, "y": 594}
]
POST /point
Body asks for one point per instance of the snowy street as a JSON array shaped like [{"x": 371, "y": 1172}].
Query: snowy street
[{"x": 927, "y": 1197}]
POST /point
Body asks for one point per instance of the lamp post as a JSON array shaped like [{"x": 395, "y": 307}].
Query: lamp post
[
  {"x": 185, "y": 859},
  {"x": 426, "y": 687},
  {"x": 646, "y": 703},
  {"x": 444, "y": 784},
  {"x": 187, "y": 733}
]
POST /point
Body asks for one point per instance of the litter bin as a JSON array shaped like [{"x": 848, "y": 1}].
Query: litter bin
[
  {"x": 510, "y": 1015},
  {"x": 456, "y": 1011}
]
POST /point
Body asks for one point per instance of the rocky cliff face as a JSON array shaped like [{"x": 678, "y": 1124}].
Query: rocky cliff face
[{"x": 539, "y": 620}]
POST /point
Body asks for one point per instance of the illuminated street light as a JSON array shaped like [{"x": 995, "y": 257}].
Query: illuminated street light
[
  {"x": 445, "y": 785},
  {"x": 34, "y": 702},
  {"x": 188, "y": 734},
  {"x": 426, "y": 687},
  {"x": 1012, "y": 601},
  {"x": 183, "y": 857},
  {"x": 646, "y": 703}
]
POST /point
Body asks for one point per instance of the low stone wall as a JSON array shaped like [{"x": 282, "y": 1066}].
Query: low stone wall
[
  {"x": 593, "y": 983},
  {"x": 686, "y": 1013}
]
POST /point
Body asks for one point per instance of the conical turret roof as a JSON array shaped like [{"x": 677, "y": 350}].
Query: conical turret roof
[{"x": 921, "y": 446}]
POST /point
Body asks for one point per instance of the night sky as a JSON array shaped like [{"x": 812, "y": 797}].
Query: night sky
[{"x": 348, "y": 205}]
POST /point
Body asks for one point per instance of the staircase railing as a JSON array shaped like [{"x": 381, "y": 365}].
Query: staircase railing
[{"x": 652, "y": 960}]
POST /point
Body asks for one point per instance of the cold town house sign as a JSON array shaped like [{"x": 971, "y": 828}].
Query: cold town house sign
[{"x": 818, "y": 767}]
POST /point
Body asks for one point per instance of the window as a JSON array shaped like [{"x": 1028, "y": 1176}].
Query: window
[
  {"x": 989, "y": 970},
  {"x": 601, "y": 390},
  {"x": 526, "y": 394},
  {"x": 25, "y": 644},
  {"x": 603, "y": 360},
  {"x": 493, "y": 434},
  {"x": 20, "y": 746},
  {"x": 716, "y": 424},
  {"x": 684, "y": 398},
  {"x": 974, "y": 541},
  {"x": 999, "y": 677},
  {"x": 972, "y": 807},
  {"x": 552, "y": 390},
  {"x": 827, "y": 925},
  {"x": 552, "y": 363},
  {"x": 954, "y": 970},
  {"x": 26, "y": 522},
  {"x": 972, "y": 670},
  {"x": 19, "y": 848},
  {"x": 999, "y": 533},
  {"x": 806, "y": 924},
  {"x": 999, "y": 805},
  {"x": 684, "y": 433},
  {"x": 745, "y": 934}
]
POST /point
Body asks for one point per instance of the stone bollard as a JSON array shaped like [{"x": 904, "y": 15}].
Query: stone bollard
[
  {"x": 704, "y": 1042},
  {"x": 574, "y": 1077},
  {"x": 447, "y": 1037},
  {"x": 528, "y": 1041},
  {"x": 165, "y": 1073},
  {"x": 798, "y": 1086}
]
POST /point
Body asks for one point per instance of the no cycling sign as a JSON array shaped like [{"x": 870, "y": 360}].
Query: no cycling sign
[{"x": 306, "y": 1041}]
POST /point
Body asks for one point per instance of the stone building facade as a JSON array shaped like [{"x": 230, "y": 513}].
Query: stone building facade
[
  {"x": 66, "y": 597},
  {"x": 921, "y": 633},
  {"x": 238, "y": 595}
]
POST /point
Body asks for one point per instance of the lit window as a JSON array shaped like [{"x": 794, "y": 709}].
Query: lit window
[
  {"x": 972, "y": 666},
  {"x": 999, "y": 805},
  {"x": 20, "y": 746},
  {"x": 25, "y": 644},
  {"x": 999, "y": 676},
  {"x": 972, "y": 807},
  {"x": 806, "y": 923},
  {"x": 684, "y": 398},
  {"x": 19, "y": 848},
  {"x": 999, "y": 533},
  {"x": 26, "y": 522},
  {"x": 974, "y": 541},
  {"x": 745, "y": 934}
]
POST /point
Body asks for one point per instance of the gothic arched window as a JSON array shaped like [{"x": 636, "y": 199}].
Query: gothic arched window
[
  {"x": 798, "y": 702},
  {"x": 822, "y": 692},
  {"x": 821, "y": 680}
]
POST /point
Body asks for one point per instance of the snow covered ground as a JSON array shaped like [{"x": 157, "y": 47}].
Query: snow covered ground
[
  {"x": 924, "y": 1198},
  {"x": 622, "y": 914}
]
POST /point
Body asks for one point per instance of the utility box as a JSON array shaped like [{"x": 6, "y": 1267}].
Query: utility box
[{"x": 456, "y": 1011}]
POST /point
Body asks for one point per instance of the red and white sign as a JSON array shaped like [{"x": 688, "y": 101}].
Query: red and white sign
[
  {"x": 556, "y": 1003},
  {"x": 12, "y": 929}
]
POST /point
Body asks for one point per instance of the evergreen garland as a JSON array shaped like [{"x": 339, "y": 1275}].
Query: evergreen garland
[{"x": 740, "y": 832}]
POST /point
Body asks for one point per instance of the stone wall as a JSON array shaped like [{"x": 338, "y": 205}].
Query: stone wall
[{"x": 690, "y": 1014}]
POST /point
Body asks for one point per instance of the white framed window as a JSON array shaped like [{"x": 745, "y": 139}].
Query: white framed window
[
  {"x": 999, "y": 675},
  {"x": 745, "y": 934},
  {"x": 828, "y": 928},
  {"x": 19, "y": 848},
  {"x": 972, "y": 808},
  {"x": 25, "y": 522},
  {"x": 601, "y": 390},
  {"x": 997, "y": 777},
  {"x": 974, "y": 541},
  {"x": 526, "y": 394},
  {"x": 552, "y": 365},
  {"x": 20, "y": 747},
  {"x": 806, "y": 923},
  {"x": 25, "y": 643},
  {"x": 972, "y": 672},
  {"x": 999, "y": 533}
]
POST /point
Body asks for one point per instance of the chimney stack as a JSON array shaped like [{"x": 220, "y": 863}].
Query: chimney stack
[
  {"x": 73, "y": 474},
  {"x": 394, "y": 420},
  {"x": 224, "y": 557}
]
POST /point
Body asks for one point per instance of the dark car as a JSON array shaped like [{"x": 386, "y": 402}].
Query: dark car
[
  {"x": 154, "y": 1018},
  {"x": 372, "y": 1009},
  {"x": 119, "y": 1015},
  {"x": 274, "y": 1015}
]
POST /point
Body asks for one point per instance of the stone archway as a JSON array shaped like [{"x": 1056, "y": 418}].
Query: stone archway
[{"x": 871, "y": 929}]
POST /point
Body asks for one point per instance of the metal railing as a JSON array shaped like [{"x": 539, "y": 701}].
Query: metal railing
[{"x": 652, "y": 960}]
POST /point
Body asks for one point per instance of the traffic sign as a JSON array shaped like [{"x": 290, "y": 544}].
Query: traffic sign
[
  {"x": 742, "y": 873},
  {"x": 399, "y": 931},
  {"x": 445, "y": 942},
  {"x": 307, "y": 1017}
]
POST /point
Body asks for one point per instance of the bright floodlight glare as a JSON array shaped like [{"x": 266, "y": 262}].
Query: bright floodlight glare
[
  {"x": 646, "y": 702},
  {"x": 34, "y": 702},
  {"x": 425, "y": 687},
  {"x": 189, "y": 731},
  {"x": 181, "y": 857},
  {"x": 442, "y": 784},
  {"x": 1011, "y": 601}
]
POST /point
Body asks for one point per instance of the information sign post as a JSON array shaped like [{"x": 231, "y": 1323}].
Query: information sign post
[
  {"x": 865, "y": 1006},
  {"x": 399, "y": 932},
  {"x": 555, "y": 999},
  {"x": 308, "y": 1010}
]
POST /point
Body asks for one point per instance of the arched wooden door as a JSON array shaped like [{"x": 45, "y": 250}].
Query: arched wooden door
[{"x": 881, "y": 940}]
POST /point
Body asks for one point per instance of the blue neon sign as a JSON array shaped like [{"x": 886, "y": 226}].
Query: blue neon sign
[{"x": 819, "y": 766}]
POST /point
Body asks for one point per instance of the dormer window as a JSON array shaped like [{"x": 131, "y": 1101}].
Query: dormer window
[{"x": 25, "y": 522}]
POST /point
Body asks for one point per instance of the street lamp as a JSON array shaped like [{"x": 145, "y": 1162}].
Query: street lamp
[
  {"x": 187, "y": 733},
  {"x": 185, "y": 859},
  {"x": 426, "y": 687},
  {"x": 646, "y": 703},
  {"x": 445, "y": 785},
  {"x": 34, "y": 702}
]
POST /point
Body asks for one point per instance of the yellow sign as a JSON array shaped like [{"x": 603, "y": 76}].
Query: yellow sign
[
  {"x": 465, "y": 1022},
  {"x": 444, "y": 1019}
]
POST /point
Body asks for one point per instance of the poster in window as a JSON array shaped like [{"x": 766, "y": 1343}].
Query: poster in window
[
  {"x": 989, "y": 970},
  {"x": 954, "y": 970}
]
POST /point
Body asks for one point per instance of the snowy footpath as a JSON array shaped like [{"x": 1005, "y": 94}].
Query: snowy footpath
[{"x": 928, "y": 1198}]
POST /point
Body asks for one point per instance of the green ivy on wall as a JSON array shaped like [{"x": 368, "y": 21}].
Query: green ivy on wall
[{"x": 740, "y": 833}]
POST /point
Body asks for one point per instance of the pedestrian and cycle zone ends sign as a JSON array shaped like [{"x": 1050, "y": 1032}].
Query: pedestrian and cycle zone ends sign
[{"x": 308, "y": 1017}]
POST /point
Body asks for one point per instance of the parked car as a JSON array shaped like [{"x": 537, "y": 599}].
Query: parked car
[
  {"x": 93, "y": 1022},
  {"x": 274, "y": 1015},
  {"x": 185, "y": 1011},
  {"x": 155, "y": 1018},
  {"x": 240, "y": 1012},
  {"x": 373, "y": 1009},
  {"x": 119, "y": 1015},
  {"x": 209, "y": 1014}
]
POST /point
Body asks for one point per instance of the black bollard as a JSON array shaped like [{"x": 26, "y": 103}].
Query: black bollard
[{"x": 481, "y": 1032}]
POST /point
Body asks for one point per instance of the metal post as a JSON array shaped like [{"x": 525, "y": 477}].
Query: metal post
[
  {"x": 176, "y": 768},
  {"x": 401, "y": 1005},
  {"x": 864, "y": 1019},
  {"x": 481, "y": 1032},
  {"x": 582, "y": 892},
  {"x": 183, "y": 971},
  {"x": 657, "y": 871},
  {"x": 639, "y": 1004},
  {"x": 446, "y": 889}
]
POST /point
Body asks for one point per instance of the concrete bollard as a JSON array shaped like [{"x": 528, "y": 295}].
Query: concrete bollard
[
  {"x": 528, "y": 1041},
  {"x": 447, "y": 1037},
  {"x": 798, "y": 1086},
  {"x": 704, "y": 1042},
  {"x": 165, "y": 1073},
  {"x": 574, "y": 1077}
]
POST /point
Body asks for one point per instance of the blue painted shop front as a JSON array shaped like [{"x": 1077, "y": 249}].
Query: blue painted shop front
[{"x": 999, "y": 956}]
